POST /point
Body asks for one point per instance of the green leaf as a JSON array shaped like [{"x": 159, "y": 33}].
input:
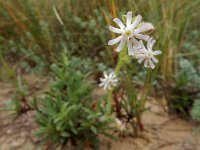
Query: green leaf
[
  {"x": 94, "y": 130},
  {"x": 65, "y": 134}
]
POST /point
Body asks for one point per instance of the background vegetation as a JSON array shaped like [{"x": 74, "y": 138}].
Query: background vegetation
[{"x": 33, "y": 33}]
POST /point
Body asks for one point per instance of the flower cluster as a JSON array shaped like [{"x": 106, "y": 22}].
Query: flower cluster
[
  {"x": 131, "y": 33},
  {"x": 147, "y": 54}
]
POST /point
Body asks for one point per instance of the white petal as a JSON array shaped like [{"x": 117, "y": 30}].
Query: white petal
[
  {"x": 146, "y": 63},
  {"x": 115, "y": 80},
  {"x": 141, "y": 55},
  {"x": 105, "y": 74},
  {"x": 114, "y": 75},
  {"x": 102, "y": 79},
  {"x": 150, "y": 43},
  {"x": 114, "y": 41},
  {"x": 135, "y": 50},
  {"x": 136, "y": 43},
  {"x": 142, "y": 50},
  {"x": 119, "y": 23},
  {"x": 101, "y": 84},
  {"x": 144, "y": 28},
  {"x": 151, "y": 64},
  {"x": 128, "y": 18},
  {"x": 141, "y": 59},
  {"x": 105, "y": 86},
  {"x": 130, "y": 49},
  {"x": 115, "y": 30},
  {"x": 142, "y": 37},
  {"x": 136, "y": 22},
  {"x": 157, "y": 52},
  {"x": 121, "y": 45},
  {"x": 142, "y": 44},
  {"x": 111, "y": 75},
  {"x": 155, "y": 60}
]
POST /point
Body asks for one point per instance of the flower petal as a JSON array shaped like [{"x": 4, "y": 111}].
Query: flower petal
[
  {"x": 115, "y": 30},
  {"x": 142, "y": 44},
  {"x": 143, "y": 50},
  {"x": 141, "y": 59},
  {"x": 114, "y": 41},
  {"x": 101, "y": 84},
  {"x": 135, "y": 49},
  {"x": 155, "y": 60},
  {"x": 121, "y": 45},
  {"x": 150, "y": 43},
  {"x": 102, "y": 79},
  {"x": 145, "y": 27},
  {"x": 146, "y": 63},
  {"x": 111, "y": 75},
  {"x": 157, "y": 52},
  {"x": 105, "y": 74},
  {"x": 128, "y": 18},
  {"x": 136, "y": 43},
  {"x": 136, "y": 21},
  {"x": 115, "y": 80},
  {"x": 151, "y": 64},
  {"x": 130, "y": 49},
  {"x": 119, "y": 23},
  {"x": 141, "y": 55},
  {"x": 105, "y": 86},
  {"x": 142, "y": 37},
  {"x": 114, "y": 75}
]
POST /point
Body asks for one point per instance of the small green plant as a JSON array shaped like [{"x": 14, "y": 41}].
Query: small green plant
[
  {"x": 67, "y": 112},
  {"x": 184, "y": 90},
  {"x": 21, "y": 101}
]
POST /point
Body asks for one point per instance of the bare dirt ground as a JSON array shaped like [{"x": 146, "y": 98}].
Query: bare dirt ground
[{"x": 162, "y": 132}]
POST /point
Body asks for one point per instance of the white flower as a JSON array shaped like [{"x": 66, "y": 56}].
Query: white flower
[
  {"x": 119, "y": 125},
  {"x": 147, "y": 54},
  {"x": 129, "y": 32},
  {"x": 108, "y": 81}
]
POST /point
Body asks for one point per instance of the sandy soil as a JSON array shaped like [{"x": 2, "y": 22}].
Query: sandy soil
[{"x": 162, "y": 132}]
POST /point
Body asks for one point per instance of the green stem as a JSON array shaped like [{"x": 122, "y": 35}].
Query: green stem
[
  {"x": 119, "y": 65},
  {"x": 8, "y": 70},
  {"x": 122, "y": 60},
  {"x": 146, "y": 88},
  {"x": 117, "y": 69},
  {"x": 109, "y": 102}
]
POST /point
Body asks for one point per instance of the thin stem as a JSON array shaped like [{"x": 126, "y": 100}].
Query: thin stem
[
  {"x": 117, "y": 69},
  {"x": 122, "y": 59},
  {"x": 146, "y": 88},
  {"x": 119, "y": 65},
  {"x": 109, "y": 102}
]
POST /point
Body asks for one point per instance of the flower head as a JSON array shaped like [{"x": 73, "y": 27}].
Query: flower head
[
  {"x": 147, "y": 54},
  {"x": 108, "y": 81},
  {"x": 130, "y": 32},
  {"x": 119, "y": 125}
]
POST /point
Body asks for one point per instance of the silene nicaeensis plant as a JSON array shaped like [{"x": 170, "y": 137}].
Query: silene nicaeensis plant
[
  {"x": 67, "y": 112},
  {"x": 122, "y": 98}
]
